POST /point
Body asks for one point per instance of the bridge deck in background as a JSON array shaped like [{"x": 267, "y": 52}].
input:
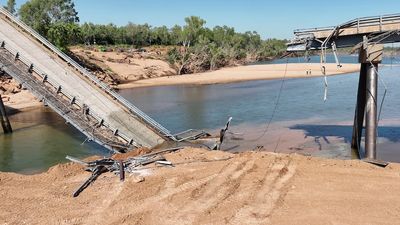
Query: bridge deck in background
[
  {"x": 112, "y": 113},
  {"x": 348, "y": 34}
]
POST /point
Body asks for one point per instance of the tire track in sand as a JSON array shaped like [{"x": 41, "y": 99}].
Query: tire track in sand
[
  {"x": 240, "y": 192},
  {"x": 100, "y": 211},
  {"x": 146, "y": 203},
  {"x": 262, "y": 204},
  {"x": 215, "y": 192}
]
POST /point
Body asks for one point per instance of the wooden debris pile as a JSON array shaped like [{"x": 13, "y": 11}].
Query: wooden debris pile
[{"x": 120, "y": 167}]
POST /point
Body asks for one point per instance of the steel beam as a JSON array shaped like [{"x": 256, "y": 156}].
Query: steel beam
[{"x": 360, "y": 110}]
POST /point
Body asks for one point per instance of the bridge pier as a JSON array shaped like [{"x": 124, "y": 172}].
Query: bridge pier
[
  {"x": 371, "y": 114},
  {"x": 367, "y": 103},
  {"x": 5, "y": 123}
]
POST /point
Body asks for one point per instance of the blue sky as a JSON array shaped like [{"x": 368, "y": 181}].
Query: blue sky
[{"x": 271, "y": 19}]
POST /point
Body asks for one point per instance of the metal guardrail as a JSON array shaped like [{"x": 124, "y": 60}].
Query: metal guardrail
[
  {"x": 69, "y": 96},
  {"x": 357, "y": 23},
  {"x": 133, "y": 109}
]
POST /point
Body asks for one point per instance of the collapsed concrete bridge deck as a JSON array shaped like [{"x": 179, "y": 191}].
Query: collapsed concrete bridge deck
[{"x": 77, "y": 95}]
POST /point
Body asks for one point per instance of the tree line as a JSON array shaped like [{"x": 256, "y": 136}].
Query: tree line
[{"x": 194, "y": 47}]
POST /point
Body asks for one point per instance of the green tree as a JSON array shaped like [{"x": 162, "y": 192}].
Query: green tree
[
  {"x": 88, "y": 33},
  {"x": 138, "y": 35},
  {"x": 63, "y": 34},
  {"x": 176, "y": 35},
  {"x": 271, "y": 48},
  {"x": 223, "y": 35},
  {"x": 193, "y": 29},
  {"x": 42, "y": 14},
  {"x": 161, "y": 36},
  {"x": 11, "y": 6}
]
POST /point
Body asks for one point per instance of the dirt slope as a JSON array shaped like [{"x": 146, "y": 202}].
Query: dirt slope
[
  {"x": 211, "y": 188},
  {"x": 126, "y": 66}
]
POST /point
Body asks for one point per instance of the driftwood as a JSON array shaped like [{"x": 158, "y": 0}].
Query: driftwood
[{"x": 129, "y": 165}]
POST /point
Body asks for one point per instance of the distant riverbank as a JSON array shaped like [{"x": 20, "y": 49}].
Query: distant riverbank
[
  {"x": 24, "y": 100},
  {"x": 246, "y": 73}
]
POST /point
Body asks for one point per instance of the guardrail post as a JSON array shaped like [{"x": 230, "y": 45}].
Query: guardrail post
[
  {"x": 30, "y": 68},
  {"x": 72, "y": 100},
  {"x": 101, "y": 123}
]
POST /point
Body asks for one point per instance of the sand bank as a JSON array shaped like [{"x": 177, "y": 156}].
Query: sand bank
[
  {"x": 211, "y": 187},
  {"x": 21, "y": 101},
  {"x": 246, "y": 73},
  {"x": 24, "y": 100}
]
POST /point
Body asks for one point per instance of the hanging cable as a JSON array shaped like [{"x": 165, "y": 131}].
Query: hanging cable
[
  {"x": 384, "y": 93},
  {"x": 323, "y": 69},
  {"x": 275, "y": 106}
]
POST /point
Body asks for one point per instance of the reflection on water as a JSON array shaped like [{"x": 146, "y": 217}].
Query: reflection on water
[{"x": 41, "y": 139}]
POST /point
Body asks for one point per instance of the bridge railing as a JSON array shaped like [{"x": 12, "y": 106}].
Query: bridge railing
[
  {"x": 73, "y": 99},
  {"x": 133, "y": 109},
  {"x": 358, "y": 23}
]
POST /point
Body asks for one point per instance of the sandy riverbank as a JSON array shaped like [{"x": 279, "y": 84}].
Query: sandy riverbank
[
  {"x": 21, "y": 101},
  {"x": 24, "y": 100},
  {"x": 245, "y": 73},
  {"x": 143, "y": 69},
  {"x": 211, "y": 188}
]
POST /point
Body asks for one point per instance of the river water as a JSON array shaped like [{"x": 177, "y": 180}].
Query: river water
[{"x": 302, "y": 122}]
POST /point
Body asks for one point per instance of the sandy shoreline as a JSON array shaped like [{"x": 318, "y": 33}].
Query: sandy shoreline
[
  {"x": 245, "y": 73},
  {"x": 210, "y": 187},
  {"x": 24, "y": 100}
]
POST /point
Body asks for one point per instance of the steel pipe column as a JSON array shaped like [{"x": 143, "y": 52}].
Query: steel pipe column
[
  {"x": 367, "y": 101},
  {"x": 371, "y": 111}
]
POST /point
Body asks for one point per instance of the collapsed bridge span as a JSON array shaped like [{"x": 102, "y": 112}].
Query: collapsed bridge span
[{"x": 75, "y": 94}]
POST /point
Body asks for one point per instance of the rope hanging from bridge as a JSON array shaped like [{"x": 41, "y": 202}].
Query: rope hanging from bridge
[
  {"x": 276, "y": 105},
  {"x": 324, "y": 47}
]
